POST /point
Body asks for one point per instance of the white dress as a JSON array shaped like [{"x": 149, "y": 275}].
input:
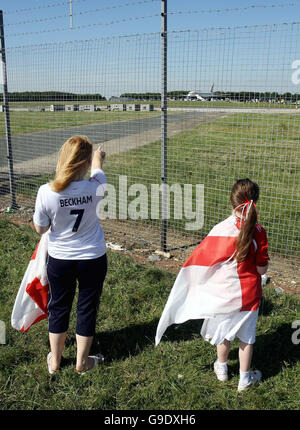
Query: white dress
[{"x": 240, "y": 324}]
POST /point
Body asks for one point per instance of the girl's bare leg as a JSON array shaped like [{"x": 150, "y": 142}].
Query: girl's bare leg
[
  {"x": 245, "y": 356},
  {"x": 223, "y": 351}
]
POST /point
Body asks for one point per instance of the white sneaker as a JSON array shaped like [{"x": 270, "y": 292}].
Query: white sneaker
[
  {"x": 221, "y": 371},
  {"x": 255, "y": 377}
]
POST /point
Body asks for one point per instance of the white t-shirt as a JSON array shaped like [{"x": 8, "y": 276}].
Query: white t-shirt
[{"x": 75, "y": 232}]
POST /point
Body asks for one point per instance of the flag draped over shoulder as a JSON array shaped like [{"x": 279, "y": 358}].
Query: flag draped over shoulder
[
  {"x": 32, "y": 298},
  {"x": 211, "y": 282}
]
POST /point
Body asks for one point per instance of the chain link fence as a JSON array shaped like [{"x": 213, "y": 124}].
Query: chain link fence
[{"x": 232, "y": 112}]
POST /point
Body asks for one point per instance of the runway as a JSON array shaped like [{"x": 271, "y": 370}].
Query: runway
[
  {"x": 36, "y": 153},
  {"x": 117, "y": 136}
]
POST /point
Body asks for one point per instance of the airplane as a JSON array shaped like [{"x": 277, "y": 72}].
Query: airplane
[
  {"x": 194, "y": 95},
  {"x": 197, "y": 95}
]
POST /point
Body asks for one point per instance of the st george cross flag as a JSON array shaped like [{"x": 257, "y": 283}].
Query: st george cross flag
[
  {"x": 32, "y": 298},
  {"x": 211, "y": 282}
]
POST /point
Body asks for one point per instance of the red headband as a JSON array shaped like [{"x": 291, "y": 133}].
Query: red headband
[{"x": 245, "y": 205}]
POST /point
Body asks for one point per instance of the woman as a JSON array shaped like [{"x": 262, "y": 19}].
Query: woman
[{"x": 76, "y": 247}]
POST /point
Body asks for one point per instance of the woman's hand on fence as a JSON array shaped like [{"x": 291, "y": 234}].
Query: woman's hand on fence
[{"x": 98, "y": 158}]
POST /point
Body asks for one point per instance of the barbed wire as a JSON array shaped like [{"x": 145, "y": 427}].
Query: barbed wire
[
  {"x": 29, "y": 9},
  {"x": 84, "y": 26},
  {"x": 171, "y": 33},
  {"x": 82, "y": 12},
  {"x": 130, "y": 19},
  {"x": 235, "y": 9},
  {"x": 124, "y": 20},
  {"x": 119, "y": 21},
  {"x": 237, "y": 27}
]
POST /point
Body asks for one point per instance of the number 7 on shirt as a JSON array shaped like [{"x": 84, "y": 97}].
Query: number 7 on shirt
[{"x": 79, "y": 213}]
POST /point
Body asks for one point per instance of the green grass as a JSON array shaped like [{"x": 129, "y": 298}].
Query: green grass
[
  {"x": 216, "y": 153},
  {"x": 262, "y": 147},
  {"x": 176, "y": 375},
  {"x": 30, "y": 122}
]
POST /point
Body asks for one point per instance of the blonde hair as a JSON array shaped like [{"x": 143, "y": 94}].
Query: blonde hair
[{"x": 74, "y": 157}]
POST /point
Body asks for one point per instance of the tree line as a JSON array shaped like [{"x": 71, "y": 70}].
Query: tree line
[
  {"x": 242, "y": 96},
  {"x": 50, "y": 96},
  {"x": 153, "y": 96},
  {"x": 56, "y": 96}
]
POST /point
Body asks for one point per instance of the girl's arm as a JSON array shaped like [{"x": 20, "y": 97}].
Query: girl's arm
[
  {"x": 262, "y": 269},
  {"x": 262, "y": 257}
]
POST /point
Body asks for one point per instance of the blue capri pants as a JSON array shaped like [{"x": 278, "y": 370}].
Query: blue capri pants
[{"x": 63, "y": 276}]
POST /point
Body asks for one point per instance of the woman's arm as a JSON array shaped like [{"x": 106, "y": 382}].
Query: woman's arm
[
  {"x": 40, "y": 216},
  {"x": 98, "y": 159},
  {"x": 41, "y": 230}
]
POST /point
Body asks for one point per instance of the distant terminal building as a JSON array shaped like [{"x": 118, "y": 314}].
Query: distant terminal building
[
  {"x": 118, "y": 106},
  {"x": 104, "y": 107},
  {"x": 71, "y": 108},
  {"x": 54, "y": 108},
  {"x": 87, "y": 108},
  {"x": 92, "y": 108},
  {"x": 133, "y": 107},
  {"x": 147, "y": 107}
]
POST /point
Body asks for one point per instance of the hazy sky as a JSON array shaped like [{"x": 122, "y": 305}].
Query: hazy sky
[{"x": 44, "y": 53}]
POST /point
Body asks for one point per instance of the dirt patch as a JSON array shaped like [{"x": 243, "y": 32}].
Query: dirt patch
[{"x": 283, "y": 272}]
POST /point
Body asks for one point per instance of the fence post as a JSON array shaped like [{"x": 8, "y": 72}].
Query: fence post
[
  {"x": 164, "y": 209},
  {"x": 71, "y": 14},
  {"x": 7, "y": 118}
]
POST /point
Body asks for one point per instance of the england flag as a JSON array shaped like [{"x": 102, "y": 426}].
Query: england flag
[
  {"x": 212, "y": 283},
  {"x": 32, "y": 298}
]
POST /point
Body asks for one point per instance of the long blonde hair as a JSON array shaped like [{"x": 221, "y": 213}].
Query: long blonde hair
[
  {"x": 74, "y": 157},
  {"x": 245, "y": 193}
]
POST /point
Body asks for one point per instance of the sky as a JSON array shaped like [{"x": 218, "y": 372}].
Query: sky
[
  {"x": 44, "y": 52},
  {"x": 49, "y": 20}
]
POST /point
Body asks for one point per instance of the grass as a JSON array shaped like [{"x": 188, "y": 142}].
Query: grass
[
  {"x": 176, "y": 375},
  {"x": 216, "y": 153},
  {"x": 31, "y": 122},
  {"x": 262, "y": 147}
]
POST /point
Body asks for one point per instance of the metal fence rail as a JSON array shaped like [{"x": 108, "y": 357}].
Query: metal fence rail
[{"x": 173, "y": 155}]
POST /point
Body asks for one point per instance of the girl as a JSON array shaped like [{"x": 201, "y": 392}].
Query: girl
[
  {"x": 76, "y": 247},
  {"x": 221, "y": 282}
]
